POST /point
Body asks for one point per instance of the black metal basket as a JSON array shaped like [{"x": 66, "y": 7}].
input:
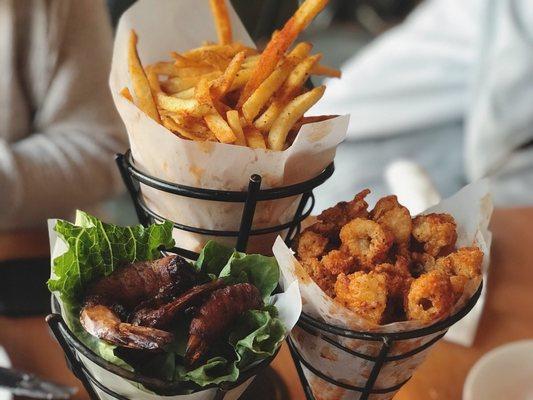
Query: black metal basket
[
  {"x": 323, "y": 331},
  {"x": 132, "y": 177}
]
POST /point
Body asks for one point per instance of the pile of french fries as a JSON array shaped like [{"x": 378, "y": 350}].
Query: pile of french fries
[{"x": 231, "y": 93}]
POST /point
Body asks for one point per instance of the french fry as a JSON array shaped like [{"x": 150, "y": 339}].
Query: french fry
[
  {"x": 174, "y": 85},
  {"x": 240, "y": 79},
  {"x": 183, "y": 106},
  {"x": 125, "y": 92},
  {"x": 141, "y": 87},
  {"x": 220, "y": 128},
  {"x": 185, "y": 94},
  {"x": 269, "y": 86},
  {"x": 290, "y": 114},
  {"x": 254, "y": 139},
  {"x": 280, "y": 43},
  {"x": 222, "y": 22},
  {"x": 182, "y": 61},
  {"x": 222, "y": 84},
  {"x": 235, "y": 125},
  {"x": 171, "y": 70},
  {"x": 178, "y": 128},
  {"x": 153, "y": 80},
  {"x": 326, "y": 71},
  {"x": 290, "y": 88},
  {"x": 309, "y": 120}
]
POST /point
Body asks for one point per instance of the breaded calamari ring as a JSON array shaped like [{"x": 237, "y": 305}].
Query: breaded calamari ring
[
  {"x": 394, "y": 217},
  {"x": 311, "y": 245},
  {"x": 435, "y": 231},
  {"x": 365, "y": 294},
  {"x": 398, "y": 277},
  {"x": 430, "y": 297},
  {"x": 465, "y": 262},
  {"x": 337, "y": 262},
  {"x": 366, "y": 240}
]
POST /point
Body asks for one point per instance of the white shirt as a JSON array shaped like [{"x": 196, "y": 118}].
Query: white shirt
[{"x": 451, "y": 60}]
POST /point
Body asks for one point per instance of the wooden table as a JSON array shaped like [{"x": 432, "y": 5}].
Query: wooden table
[{"x": 508, "y": 316}]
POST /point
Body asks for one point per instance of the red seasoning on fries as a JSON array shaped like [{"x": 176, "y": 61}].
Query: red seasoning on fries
[{"x": 231, "y": 93}]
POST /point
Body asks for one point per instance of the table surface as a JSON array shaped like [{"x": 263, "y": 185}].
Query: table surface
[{"x": 508, "y": 316}]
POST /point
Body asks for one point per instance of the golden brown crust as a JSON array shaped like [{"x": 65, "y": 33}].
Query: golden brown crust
[
  {"x": 311, "y": 245},
  {"x": 435, "y": 231},
  {"x": 366, "y": 240},
  {"x": 430, "y": 297}
]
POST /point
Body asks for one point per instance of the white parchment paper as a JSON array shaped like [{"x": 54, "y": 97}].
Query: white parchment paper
[
  {"x": 166, "y": 25},
  {"x": 288, "y": 304},
  {"x": 472, "y": 209}
]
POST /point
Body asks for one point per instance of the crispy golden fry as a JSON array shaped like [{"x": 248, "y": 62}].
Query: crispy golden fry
[
  {"x": 184, "y": 106},
  {"x": 262, "y": 94},
  {"x": 185, "y": 94},
  {"x": 292, "y": 113},
  {"x": 141, "y": 87},
  {"x": 364, "y": 294},
  {"x": 125, "y": 92},
  {"x": 235, "y": 124},
  {"x": 153, "y": 80},
  {"x": 326, "y": 71},
  {"x": 174, "y": 85},
  {"x": 164, "y": 68},
  {"x": 279, "y": 44},
  {"x": 254, "y": 138},
  {"x": 182, "y": 61},
  {"x": 290, "y": 88},
  {"x": 366, "y": 240},
  {"x": 178, "y": 128},
  {"x": 223, "y": 83},
  {"x": 220, "y": 128},
  {"x": 240, "y": 79},
  {"x": 430, "y": 297},
  {"x": 222, "y": 21},
  {"x": 435, "y": 231}
]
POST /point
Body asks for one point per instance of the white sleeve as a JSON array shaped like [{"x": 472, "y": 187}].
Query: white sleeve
[
  {"x": 414, "y": 76},
  {"x": 67, "y": 161}
]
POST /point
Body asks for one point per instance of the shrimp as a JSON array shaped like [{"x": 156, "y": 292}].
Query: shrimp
[
  {"x": 366, "y": 240},
  {"x": 436, "y": 232},
  {"x": 109, "y": 301},
  {"x": 430, "y": 297},
  {"x": 395, "y": 218},
  {"x": 221, "y": 310},
  {"x": 363, "y": 293}
]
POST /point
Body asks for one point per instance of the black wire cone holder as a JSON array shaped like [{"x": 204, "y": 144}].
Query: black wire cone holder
[
  {"x": 132, "y": 178},
  {"x": 322, "y": 330}
]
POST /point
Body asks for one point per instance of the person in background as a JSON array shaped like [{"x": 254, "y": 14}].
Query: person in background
[
  {"x": 451, "y": 88},
  {"x": 59, "y": 128}
]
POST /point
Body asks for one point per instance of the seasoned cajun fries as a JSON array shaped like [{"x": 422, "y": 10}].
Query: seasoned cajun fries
[
  {"x": 386, "y": 266},
  {"x": 231, "y": 93}
]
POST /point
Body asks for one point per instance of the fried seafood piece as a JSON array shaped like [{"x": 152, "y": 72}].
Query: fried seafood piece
[
  {"x": 435, "y": 231},
  {"x": 430, "y": 297},
  {"x": 110, "y": 299},
  {"x": 398, "y": 277},
  {"x": 337, "y": 261},
  {"x": 363, "y": 293},
  {"x": 214, "y": 317},
  {"x": 322, "y": 276},
  {"x": 366, "y": 240},
  {"x": 458, "y": 285},
  {"x": 421, "y": 263},
  {"x": 343, "y": 212},
  {"x": 311, "y": 245},
  {"x": 395, "y": 218},
  {"x": 465, "y": 262}
]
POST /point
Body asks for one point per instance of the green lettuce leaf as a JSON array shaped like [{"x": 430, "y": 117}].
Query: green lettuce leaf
[
  {"x": 96, "y": 249},
  {"x": 214, "y": 371}
]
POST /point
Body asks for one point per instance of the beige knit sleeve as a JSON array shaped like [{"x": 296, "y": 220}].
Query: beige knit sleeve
[{"x": 67, "y": 161}]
